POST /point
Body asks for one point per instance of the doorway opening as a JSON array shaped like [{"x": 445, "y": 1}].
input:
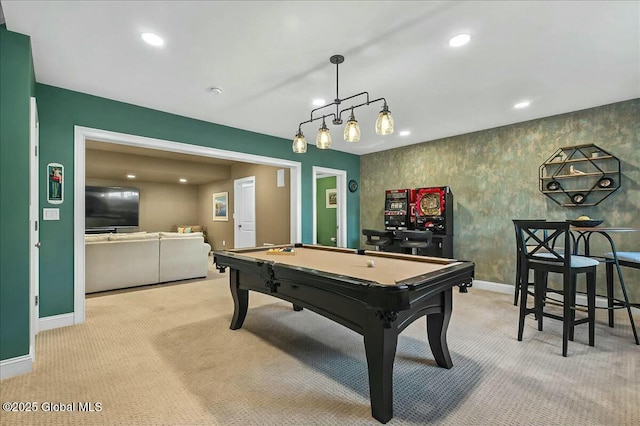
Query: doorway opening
[
  {"x": 339, "y": 203},
  {"x": 82, "y": 134}
]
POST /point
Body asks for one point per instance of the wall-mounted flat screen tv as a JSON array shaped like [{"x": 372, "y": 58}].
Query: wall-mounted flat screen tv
[{"x": 111, "y": 207}]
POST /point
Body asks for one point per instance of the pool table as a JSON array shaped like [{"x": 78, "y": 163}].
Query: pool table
[{"x": 375, "y": 294}]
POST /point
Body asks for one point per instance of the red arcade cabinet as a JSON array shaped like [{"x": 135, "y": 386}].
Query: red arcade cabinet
[{"x": 434, "y": 212}]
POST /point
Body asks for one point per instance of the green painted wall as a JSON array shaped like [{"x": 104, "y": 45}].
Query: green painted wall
[
  {"x": 16, "y": 88},
  {"x": 60, "y": 110},
  {"x": 326, "y": 218},
  {"x": 494, "y": 178}
]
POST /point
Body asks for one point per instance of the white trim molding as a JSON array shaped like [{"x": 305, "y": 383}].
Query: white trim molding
[
  {"x": 601, "y": 302},
  {"x": 16, "y": 366},
  {"x": 79, "y": 141},
  {"x": 341, "y": 186},
  {"x": 491, "y": 286},
  {"x": 56, "y": 321},
  {"x": 82, "y": 134}
]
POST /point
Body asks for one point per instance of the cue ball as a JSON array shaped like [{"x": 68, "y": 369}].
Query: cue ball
[{"x": 370, "y": 263}]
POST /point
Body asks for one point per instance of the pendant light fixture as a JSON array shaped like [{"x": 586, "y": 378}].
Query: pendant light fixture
[
  {"x": 323, "y": 141},
  {"x": 299, "y": 143},
  {"x": 352, "y": 129},
  {"x": 384, "y": 123}
]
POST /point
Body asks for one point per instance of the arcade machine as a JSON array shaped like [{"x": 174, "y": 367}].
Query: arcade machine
[
  {"x": 398, "y": 209},
  {"x": 434, "y": 212}
]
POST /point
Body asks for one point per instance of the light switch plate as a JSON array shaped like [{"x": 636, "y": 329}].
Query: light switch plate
[{"x": 50, "y": 214}]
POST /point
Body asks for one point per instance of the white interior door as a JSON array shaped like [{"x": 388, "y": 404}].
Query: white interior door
[
  {"x": 244, "y": 216},
  {"x": 34, "y": 234}
]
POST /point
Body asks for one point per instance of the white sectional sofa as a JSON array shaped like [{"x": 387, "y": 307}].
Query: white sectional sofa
[
  {"x": 182, "y": 256},
  {"x": 114, "y": 261}
]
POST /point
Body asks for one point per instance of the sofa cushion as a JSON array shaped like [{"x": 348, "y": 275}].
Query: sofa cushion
[
  {"x": 92, "y": 238},
  {"x": 134, "y": 236},
  {"x": 193, "y": 228},
  {"x": 180, "y": 235}
]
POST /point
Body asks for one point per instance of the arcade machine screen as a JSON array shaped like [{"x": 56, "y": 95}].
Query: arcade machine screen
[
  {"x": 397, "y": 209},
  {"x": 434, "y": 210}
]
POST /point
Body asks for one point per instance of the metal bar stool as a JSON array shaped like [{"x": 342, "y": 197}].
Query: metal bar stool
[
  {"x": 378, "y": 239},
  {"x": 414, "y": 240}
]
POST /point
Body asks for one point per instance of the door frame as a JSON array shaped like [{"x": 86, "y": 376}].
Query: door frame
[
  {"x": 34, "y": 223},
  {"x": 341, "y": 211},
  {"x": 237, "y": 183},
  {"x": 81, "y": 134}
]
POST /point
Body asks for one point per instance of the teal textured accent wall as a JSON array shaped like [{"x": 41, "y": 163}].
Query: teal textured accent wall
[
  {"x": 60, "y": 110},
  {"x": 16, "y": 87},
  {"x": 494, "y": 178},
  {"x": 326, "y": 217}
]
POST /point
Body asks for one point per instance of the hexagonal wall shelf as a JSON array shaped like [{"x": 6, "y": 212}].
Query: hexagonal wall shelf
[{"x": 582, "y": 175}]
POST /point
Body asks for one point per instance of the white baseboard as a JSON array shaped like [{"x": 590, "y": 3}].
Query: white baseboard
[
  {"x": 55, "y": 321},
  {"x": 16, "y": 366},
  {"x": 601, "y": 302},
  {"x": 491, "y": 286}
]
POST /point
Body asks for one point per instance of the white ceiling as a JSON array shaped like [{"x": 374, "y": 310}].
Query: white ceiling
[{"x": 272, "y": 59}]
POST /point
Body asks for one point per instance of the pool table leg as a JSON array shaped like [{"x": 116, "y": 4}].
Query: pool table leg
[
  {"x": 437, "y": 325},
  {"x": 380, "y": 346},
  {"x": 240, "y": 300}
]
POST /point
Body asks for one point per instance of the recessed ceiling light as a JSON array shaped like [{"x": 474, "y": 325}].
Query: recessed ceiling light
[
  {"x": 522, "y": 104},
  {"x": 405, "y": 133},
  {"x": 318, "y": 102},
  {"x": 459, "y": 40},
  {"x": 152, "y": 39},
  {"x": 183, "y": 180},
  {"x": 215, "y": 90},
  {"x": 131, "y": 176}
]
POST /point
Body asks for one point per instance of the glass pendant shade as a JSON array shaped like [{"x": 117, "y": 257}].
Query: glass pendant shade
[
  {"x": 323, "y": 140},
  {"x": 384, "y": 123},
  {"x": 352, "y": 129},
  {"x": 299, "y": 143}
]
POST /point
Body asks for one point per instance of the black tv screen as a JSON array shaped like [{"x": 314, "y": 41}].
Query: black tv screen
[{"x": 111, "y": 207}]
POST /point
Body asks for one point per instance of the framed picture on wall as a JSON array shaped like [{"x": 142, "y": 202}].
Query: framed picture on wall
[
  {"x": 55, "y": 183},
  {"x": 220, "y": 206},
  {"x": 332, "y": 198}
]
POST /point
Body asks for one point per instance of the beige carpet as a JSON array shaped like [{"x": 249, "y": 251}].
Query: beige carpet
[{"x": 164, "y": 355}]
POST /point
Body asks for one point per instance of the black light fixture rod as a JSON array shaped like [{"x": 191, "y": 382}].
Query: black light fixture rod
[
  {"x": 337, "y": 83},
  {"x": 337, "y": 59},
  {"x": 317, "y": 118},
  {"x": 338, "y": 113},
  {"x": 356, "y": 95},
  {"x": 368, "y": 102},
  {"x": 318, "y": 109}
]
